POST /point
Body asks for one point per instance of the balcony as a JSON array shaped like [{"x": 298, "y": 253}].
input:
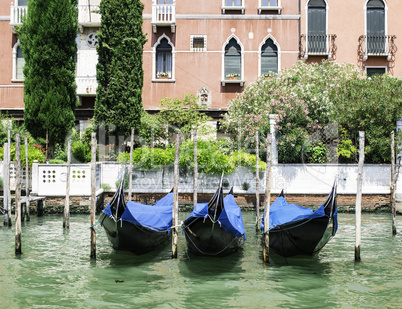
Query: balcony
[
  {"x": 318, "y": 45},
  {"x": 269, "y": 5},
  {"x": 86, "y": 85},
  {"x": 88, "y": 16},
  {"x": 17, "y": 12},
  {"x": 233, "y": 5},
  {"x": 164, "y": 15},
  {"x": 377, "y": 45}
]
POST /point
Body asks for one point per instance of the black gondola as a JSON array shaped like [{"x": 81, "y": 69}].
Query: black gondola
[
  {"x": 136, "y": 227},
  {"x": 215, "y": 228},
  {"x": 296, "y": 230}
]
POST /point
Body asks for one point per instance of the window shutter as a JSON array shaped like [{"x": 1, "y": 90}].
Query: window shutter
[
  {"x": 232, "y": 58},
  {"x": 269, "y": 57},
  {"x": 375, "y": 27},
  {"x": 317, "y": 28}
]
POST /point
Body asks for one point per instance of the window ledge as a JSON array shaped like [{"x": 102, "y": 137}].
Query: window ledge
[
  {"x": 269, "y": 8},
  {"x": 14, "y": 80},
  {"x": 161, "y": 80},
  {"x": 233, "y": 8},
  {"x": 238, "y": 81}
]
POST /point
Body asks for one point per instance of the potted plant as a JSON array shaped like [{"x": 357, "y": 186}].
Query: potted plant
[
  {"x": 233, "y": 76},
  {"x": 162, "y": 75},
  {"x": 268, "y": 76}
]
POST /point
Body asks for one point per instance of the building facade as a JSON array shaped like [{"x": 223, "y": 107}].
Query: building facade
[{"x": 213, "y": 49}]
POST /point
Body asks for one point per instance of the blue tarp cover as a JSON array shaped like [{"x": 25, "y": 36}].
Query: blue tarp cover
[
  {"x": 157, "y": 217},
  {"x": 281, "y": 212},
  {"x": 230, "y": 219}
]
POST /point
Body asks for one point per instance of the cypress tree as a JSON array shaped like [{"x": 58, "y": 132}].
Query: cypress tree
[
  {"x": 47, "y": 38},
  {"x": 119, "y": 69}
]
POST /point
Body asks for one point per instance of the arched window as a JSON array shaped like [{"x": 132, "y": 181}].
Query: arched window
[
  {"x": 375, "y": 24},
  {"x": 18, "y": 63},
  {"x": 232, "y": 59},
  {"x": 269, "y": 57},
  {"x": 317, "y": 26},
  {"x": 164, "y": 59}
]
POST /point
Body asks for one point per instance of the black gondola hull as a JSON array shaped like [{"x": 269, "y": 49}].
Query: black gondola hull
[
  {"x": 203, "y": 240},
  {"x": 305, "y": 237},
  {"x": 129, "y": 237}
]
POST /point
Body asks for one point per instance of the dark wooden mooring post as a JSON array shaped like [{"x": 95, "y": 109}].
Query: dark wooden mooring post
[
  {"x": 8, "y": 172},
  {"x": 27, "y": 202},
  {"x": 358, "y": 209},
  {"x": 130, "y": 166},
  {"x": 93, "y": 194},
  {"x": 175, "y": 227},
  {"x": 17, "y": 195},
  {"x": 394, "y": 177},
  {"x": 267, "y": 198},
  {"x": 257, "y": 179},
  {"x": 195, "y": 179},
  {"x": 66, "y": 221}
]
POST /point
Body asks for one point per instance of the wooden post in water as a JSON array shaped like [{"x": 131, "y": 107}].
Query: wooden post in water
[
  {"x": 8, "y": 173},
  {"x": 130, "y": 166},
  {"x": 267, "y": 199},
  {"x": 394, "y": 176},
  {"x": 257, "y": 179},
  {"x": 66, "y": 221},
  {"x": 93, "y": 194},
  {"x": 27, "y": 203},
  {"x": 358, "y": 209},
  {"x": 175, "y": 233},
  {"x": 195, "y": 180},
  {"x": 17, "y": 194},
  {"x": 6, "y": 185}
]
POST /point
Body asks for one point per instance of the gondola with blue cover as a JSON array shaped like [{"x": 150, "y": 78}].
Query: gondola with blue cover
[
  {"x": 215, "y": 228},
  {"x": 296, "y": 230},
  {"x": 137, "y": 227}
]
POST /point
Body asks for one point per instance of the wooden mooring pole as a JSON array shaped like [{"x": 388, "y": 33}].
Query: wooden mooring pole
[
  {"x": 66, "y": 221},
  {"x": 394, "y": 178},
  {"x": 93, "y": 194},
  {"x": 257, "y": 179},
  {"x": 358, "y": 209},
  {"x": 17, "y": 194},
  {"x": 268, "y": 177},
  {"x": 195, "y": 179},
  {"x": 175, "y": 228},
  {"x": 130, "y": 166},
  {"x": 6, "y": 185},
  {"x": 8, "y": 172},
  {"x": 27, "y": 203}
]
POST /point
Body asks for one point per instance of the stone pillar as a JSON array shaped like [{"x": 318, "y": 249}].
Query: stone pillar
[{"x": 272, "y": 123}]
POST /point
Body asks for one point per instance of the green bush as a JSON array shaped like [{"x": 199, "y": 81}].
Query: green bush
[
  {"x": 33, "y": 154},
  {"x": 81, "y": 152}
]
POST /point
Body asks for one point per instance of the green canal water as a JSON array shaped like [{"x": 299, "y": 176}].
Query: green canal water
[{"x": 55, "y": 271}]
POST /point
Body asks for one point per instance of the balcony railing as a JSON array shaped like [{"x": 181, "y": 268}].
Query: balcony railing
[
  {"x": 17, "y": 12},
  {"x": 233, "y": 5},
  {"x": 318, "y": 45},
  {"x": 86, "y": 86},
  {"x": 377, "y": 45},
  {"x": 89, "y": 16},
  {"x": 269, "y": 5},
  {"x": 164, "y": 15}
]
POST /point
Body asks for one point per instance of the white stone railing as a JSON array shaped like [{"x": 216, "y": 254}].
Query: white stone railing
[
  {"x": 89, "y": 15},
  {"x": 17, "y": 12},
  {"x": 163, "y": 14},
  {"x": 50, "y": 179},
  {"x": 86, "y": 85}
]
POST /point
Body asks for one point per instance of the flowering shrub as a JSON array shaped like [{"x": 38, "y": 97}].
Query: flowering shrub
[{"x": 300, "y": 97}]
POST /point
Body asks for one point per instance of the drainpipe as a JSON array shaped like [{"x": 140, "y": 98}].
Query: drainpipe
[{"x": 299, "y": 28}]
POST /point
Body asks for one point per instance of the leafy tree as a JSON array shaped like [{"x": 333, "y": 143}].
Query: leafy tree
[
  {"x": 119, "y": 69},
  {"x": 372, "y": 105},
  {"x": 47, "y": 38},
  {"x": 184, "y": 114}
]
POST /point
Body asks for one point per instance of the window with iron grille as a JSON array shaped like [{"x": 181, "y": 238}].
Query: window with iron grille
[{"x": 198, "y": 43}]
